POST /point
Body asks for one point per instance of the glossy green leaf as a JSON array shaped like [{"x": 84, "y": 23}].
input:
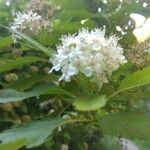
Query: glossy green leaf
[
  {"x": 35, "y": 132},
  {"x": 128, "y": 125},
  {"x": 90, "y": 104},
  {"x": 13, "y": 145}
]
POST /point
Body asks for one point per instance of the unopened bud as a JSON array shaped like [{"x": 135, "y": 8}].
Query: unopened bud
[
  {"x": 11, "y": 77},
  {"x": 7, "y": 107},
  {"x": 26, "y": 118},
  {"x": 34, "y": 69}
]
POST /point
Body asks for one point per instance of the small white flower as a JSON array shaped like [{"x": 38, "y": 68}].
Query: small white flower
[
  {"x": 84, "y": 21},
  {"x": 51, "y": 111},
  {"x": 118, "y": 28},
  {"x": 145, "y": 4},
  {"x": 99, "y": 9},
  {"x": 123, "y": 33},
  {"x": 90, "y": 53}
]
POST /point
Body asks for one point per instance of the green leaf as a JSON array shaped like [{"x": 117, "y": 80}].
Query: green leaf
[
  {"x": 4, "y": 14},
  {"x": 90, "y": 104},
  {"x": 141, "y": 95},
  {"x": 26, "y": 83},
  {"x": 19, "y": 62},
  {"x": 15, "y": 145},
  {"x": 127, "y": 8},
  {"x": 136, "y": 79},
  {"x": 79, "y": 14},
  {"x": 70, "y": 4},
  {"x": 5, "y": 41},
  {"x": 11, "y": 95},
  {"x": 74, "y": 26},
  {"x": 35, "y": 132},
  {"x": 34, "y": 43},
  {"x": 128, "y": 125}
]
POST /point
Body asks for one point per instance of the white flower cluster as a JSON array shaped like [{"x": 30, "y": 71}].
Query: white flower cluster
[
  {"x": 90, "y": 53},
  {"x": 28, "y": 22}
]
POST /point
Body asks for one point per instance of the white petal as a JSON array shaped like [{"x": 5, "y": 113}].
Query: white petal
[
  {"x": 88, "y": 71},
  {"x": 71, "y": 70},
  {"x": 57, "y": 67},
  {"x": 67, "y": 78},
  {"x": 139, "y": 19}
]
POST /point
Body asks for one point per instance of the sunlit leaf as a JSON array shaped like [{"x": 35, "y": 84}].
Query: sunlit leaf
[
  {"x": 13, "y": 145},
  {"x": 90, "y": 104},
  {"x": 5, "y": 41},
  {"x": 64, "y": 28}
]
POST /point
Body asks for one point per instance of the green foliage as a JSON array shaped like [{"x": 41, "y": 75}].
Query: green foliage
[
  {"x": 110, "y": 142},
  {"x": 70, "y": 4},
  {"x": 136, "y": 79},
  {"x": 37, "y": 98},
  {"x": 128, "y": 125},
  {"x": 142, "y": 145},
  {"x": 5, "y": 41},
  {"x": 25, "y": 83},
  {"x": 64, "y": 28},
  {"x": 11, "y": 95},
  {"x": 90, "y": 103},
  {"x": 18, "y": 63},
  {"x": 35, "y": 44},
  {"x": 15, "y": 145},
  {"x": 35, "y": 132}
]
